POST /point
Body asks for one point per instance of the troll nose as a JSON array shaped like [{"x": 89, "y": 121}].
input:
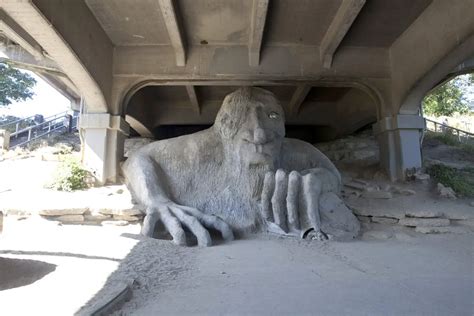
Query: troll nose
[{"x": 259, "y": 136}]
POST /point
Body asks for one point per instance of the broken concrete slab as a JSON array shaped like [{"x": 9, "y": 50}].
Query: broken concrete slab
[
  {"x": 368, "y": 211},
  {"x": 465, "y": 222},
  {"x": 127, "y": 218},
  {"x": 96, "y": 217},
  {"x": 414, "y": 204},
  {"x": 442, "y": 230},
  {"x": 446, "y": 192},
  {"x": 424, "y": 213},
  {"x": 115, "y": 223},
  {"x": 424, "y": 222},
  {"x": 355, "y": 185},
  {"x": 364, "y": 219},
  {"x": 384, "y": 220},
  {"x": 62, "y": 211},
  {"x": 377, "y": 195},
  {"x": 70, "y": 218},
  {"x": 127, "y": 210}
]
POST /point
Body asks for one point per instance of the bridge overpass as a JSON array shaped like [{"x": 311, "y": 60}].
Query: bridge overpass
[{"x": 336, "y": 65}]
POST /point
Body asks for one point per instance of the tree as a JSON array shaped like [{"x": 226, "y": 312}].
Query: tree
[
  {"x": 14, "y": 85},
  {"x": 447, "y": 99}
]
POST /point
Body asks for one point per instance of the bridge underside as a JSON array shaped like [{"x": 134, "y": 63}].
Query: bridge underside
[{"x": 336, "y": 65}]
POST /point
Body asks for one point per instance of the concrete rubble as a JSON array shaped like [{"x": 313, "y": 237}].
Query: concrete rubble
[
  {"x": 93, "y": 206},
  {"x": 446, "y": 192},
  {"x": 369, "y": 200},
  {"x": 442, "y": 230},
  {"x": 377, "y": 195},
  {"x": 424, "y": 222},
  {"x": 361, "y": 149},
  {"x": 384, "y": 220}
]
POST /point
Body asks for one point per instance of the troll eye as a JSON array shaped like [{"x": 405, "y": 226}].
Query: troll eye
[{"x": 273, "y": 115}]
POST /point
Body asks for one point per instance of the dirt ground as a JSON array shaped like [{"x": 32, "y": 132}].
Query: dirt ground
[
  {"x": 52, "y": 269},
  {"x": 261, "y": 275}
]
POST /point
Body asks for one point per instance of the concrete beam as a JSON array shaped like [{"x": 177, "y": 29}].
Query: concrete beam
[
  {"x": 15, "y": 33},
  {"x": 193, "y": 98},
  {"x": 19, "y": 58},
  {"x": 342, "y": 21},
  {"x": 170, "y": 15},
  {"x": 45, "y": 68},
  {"x": 33, "y": 21},
  {"x": 297, "y": 99},
  {"x": 212, "y": 62},
  {"x": 138, "y": 127},
  {"x": 64, "y": 86},
  {"x": 257, "y": 26}
]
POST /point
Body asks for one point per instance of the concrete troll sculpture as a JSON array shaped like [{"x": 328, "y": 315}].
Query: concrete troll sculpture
[{"x": 239, "y": 176}]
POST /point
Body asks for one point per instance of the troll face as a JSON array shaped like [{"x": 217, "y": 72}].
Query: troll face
[{"x": 251, "y": 123}]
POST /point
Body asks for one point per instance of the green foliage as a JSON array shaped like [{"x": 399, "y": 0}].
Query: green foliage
[
  {"x": 69, "y": 176},
  {"x": 460, "y": 180},
  {"x": 446, "y": 99},
  {"x": 6, "y": 119},
  {"x": 14, "y": 85}
]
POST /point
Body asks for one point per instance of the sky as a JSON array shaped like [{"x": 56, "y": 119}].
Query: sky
[
  {"x": 46, "y": 101},
  {"x": 467, "y": 89}
]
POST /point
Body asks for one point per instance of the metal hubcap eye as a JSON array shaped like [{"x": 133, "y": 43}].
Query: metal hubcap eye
[{"x": 273, "y": 115}]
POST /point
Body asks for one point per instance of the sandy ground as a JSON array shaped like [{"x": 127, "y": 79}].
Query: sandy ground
[
  {"x": 430, "y": 276},
  {"x": 411, "y": 274},
  {"x": 47, "y": 269}
]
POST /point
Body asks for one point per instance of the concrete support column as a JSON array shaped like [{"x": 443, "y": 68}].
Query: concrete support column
[
  {"x": 399, "y": 141},
  {"x": 4, "y": 139},
  {"x": 103, "y": 136}
]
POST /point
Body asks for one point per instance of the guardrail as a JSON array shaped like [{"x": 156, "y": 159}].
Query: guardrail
[
  {"x": 29, "y": 120},
  {"x": 52, "y": 124},
  {"x": 462, "y": 136}
]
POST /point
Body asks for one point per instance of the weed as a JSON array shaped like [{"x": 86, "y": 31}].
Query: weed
[
  {"x": 69, "y": 176},
  {"x": 460, "y": 180}
]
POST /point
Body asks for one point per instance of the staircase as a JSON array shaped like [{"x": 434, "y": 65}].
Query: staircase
[
  {"x": 26, "y": 130},
  {"x": 459, "y": 134}
]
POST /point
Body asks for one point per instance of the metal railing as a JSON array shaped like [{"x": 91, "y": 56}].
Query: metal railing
[
  {"x": 30, "y": 121},
  {"x": 51, "y": 124},
  {"x": 462, "y": 136},
  {"x": 17, "y": 122}
]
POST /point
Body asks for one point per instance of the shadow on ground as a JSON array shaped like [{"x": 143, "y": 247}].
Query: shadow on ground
[
  {"x": 20, "y": 272},
  {"x": 149, "y": 266}
]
